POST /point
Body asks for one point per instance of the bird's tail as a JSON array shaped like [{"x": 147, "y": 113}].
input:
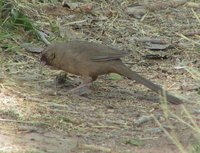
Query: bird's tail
[{"x": 127, "y": 72}]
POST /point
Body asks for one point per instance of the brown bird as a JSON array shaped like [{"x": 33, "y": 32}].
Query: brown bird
[{"x": 89, "y": 60}]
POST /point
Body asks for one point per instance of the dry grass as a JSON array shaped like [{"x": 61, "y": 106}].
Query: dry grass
[{"x": 105, "y": 120}]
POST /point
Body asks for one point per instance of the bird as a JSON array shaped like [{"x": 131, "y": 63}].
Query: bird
[{"x": 90, "y": 60}]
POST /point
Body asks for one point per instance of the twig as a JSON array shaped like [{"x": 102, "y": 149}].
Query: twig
[
  {"x": 107, "y": 127},
  {"x": 195, "y": 14},
  {"x": 186, "y": 38},
  {"x": 193, "y": 5},
  {"x": 94, "y": 147},
  {"x": 192, "y": 33},
  {"x": 25, "y": 122},
  {"x": 74, "y": 22}
]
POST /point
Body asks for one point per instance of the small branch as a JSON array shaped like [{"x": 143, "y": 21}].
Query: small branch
[
  {"x": 24, "y": 122},
  {"x": 94, "y": 147},
  {"x": 74, "y": 22}
]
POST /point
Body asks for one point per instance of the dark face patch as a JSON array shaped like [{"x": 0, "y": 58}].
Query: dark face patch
[
  {"x": 47, "y": 59},
  {"x": 43, "y": 59}
]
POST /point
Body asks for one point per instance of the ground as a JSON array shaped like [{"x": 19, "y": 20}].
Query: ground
[{"x": 39, "y": 115}]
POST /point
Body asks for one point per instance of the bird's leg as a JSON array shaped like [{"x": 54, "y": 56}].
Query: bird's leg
[{"x": 83, "y": 88}]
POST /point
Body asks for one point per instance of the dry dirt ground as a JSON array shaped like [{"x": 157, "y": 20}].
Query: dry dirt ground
[{"x": 37, "y": 115}]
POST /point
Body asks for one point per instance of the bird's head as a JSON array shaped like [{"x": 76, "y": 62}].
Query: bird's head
[{"x": 47, "y": 56}]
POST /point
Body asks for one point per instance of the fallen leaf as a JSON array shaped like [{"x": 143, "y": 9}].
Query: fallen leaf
[
  {"x": 153, "y": 46},
  {"x": 31, "y": 48}
]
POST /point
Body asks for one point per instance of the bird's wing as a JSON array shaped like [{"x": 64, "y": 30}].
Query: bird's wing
[
  {"x": 99, "y": 52},
  {"x": 94, "y": 52},
  {"x": 108, "y": 57}
]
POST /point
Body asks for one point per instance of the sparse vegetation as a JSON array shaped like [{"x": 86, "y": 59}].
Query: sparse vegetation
[{"x": 33, "y": 108}]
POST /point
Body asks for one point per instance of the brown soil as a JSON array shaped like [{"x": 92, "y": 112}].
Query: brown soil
[{"x": 38, "y": 116}]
